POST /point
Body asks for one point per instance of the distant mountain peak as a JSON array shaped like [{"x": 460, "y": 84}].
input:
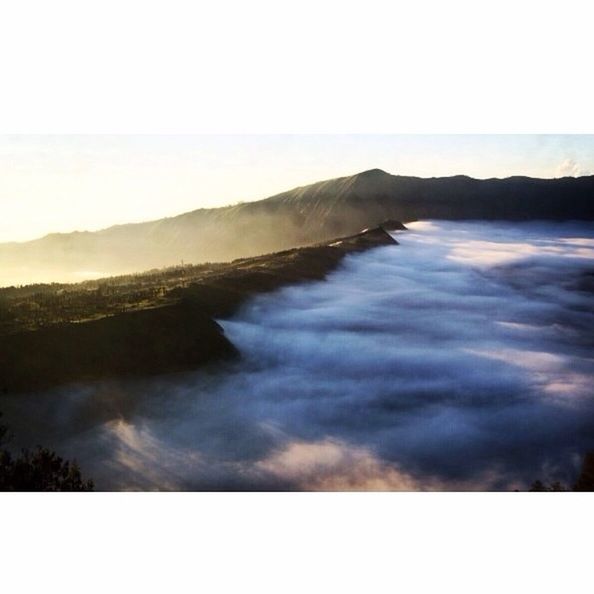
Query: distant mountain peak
[{"x": 370, "y": 173}]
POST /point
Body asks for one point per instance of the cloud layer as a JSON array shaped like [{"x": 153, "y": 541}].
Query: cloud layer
[{"x": 460, "y": 359}]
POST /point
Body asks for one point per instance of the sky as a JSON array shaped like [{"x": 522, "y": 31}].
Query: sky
[{"x": 74, "y": 183}]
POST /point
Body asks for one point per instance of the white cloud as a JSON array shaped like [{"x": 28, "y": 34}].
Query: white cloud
[{"x": 570, "y": 167}]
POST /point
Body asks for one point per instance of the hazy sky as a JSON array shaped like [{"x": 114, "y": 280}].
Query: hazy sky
[{"x": 67, "y": 183}]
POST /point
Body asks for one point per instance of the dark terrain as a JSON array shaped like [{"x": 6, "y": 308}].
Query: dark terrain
[
  {"x": 155, "y": 322},
  {"x": 302, "y": 216}
]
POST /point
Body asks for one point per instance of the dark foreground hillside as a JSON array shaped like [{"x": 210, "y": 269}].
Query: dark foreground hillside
[
  {"x": 302, "y": 216},
  {"x": 149, "y": 323}
]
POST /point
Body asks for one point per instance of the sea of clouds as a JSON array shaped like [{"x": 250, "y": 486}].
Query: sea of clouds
[{"x": 460, "y": 359}]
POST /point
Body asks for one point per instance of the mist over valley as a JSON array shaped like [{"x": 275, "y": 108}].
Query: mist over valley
[{"x": 459, "y": 358}]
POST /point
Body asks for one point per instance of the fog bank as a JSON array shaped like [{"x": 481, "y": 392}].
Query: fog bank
[{"x": 460, "y": 359}]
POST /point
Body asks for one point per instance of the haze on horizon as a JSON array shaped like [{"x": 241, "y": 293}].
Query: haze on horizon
[{"x": 75, "y": 183}]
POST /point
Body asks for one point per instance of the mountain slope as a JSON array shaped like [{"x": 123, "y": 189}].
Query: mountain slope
[
  {"x": 145, "y": 324},
  {"x": 301, "y": 216}
]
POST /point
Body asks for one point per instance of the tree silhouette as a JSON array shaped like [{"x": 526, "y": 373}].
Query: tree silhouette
[
  {"x": 585, "y": 481},
  {"x": 38, "y": 470},
  {"x": 542, "y": 487}
]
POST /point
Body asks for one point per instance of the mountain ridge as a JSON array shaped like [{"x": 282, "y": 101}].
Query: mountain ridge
[
  {"x": 292, "y": 190},
  {"x": 158, "y": 322},
  {"x": 297, "y": 217}
]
